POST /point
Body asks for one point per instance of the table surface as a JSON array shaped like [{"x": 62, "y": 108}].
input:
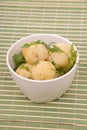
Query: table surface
[{"x": 19, "y": 18}]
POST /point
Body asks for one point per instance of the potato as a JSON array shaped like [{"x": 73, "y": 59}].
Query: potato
[
  {"x": 42, "y": 52},
  {"x": 24, "y": 70},
  {"x": 30, "y": 54},
  {"x": 61, "y": 57},
  {"x": 35, "y": 53},
  {"x": 65, "y": 48},
  {"x": 44, "y": 70}
]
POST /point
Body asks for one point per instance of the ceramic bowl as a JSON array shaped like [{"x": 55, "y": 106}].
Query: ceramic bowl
[{"x": 36, "y": 90}]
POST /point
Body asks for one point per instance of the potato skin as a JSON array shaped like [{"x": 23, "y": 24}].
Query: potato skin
[
  {"x": 35, "y": 53},
  {"x": 44, "y": 70},
  {"x": 25, "y": 71},
  {"x": 61, "y": 58},
  {"x": 65, "y": 47},
  {"x": 42, "y": 52}
]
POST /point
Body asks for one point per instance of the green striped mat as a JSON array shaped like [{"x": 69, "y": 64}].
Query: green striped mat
[{"x": 19, "y": 18}]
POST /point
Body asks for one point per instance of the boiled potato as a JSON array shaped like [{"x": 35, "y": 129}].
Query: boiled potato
[
  {"x": 35, "y": 53},
  {"x": 24, "y": 70},
  {"x": 65, "y": 48},
  {"x": 60, "y": 58},
  {"x": 44, "y": 70},
  {"x": 42, "y": 52}
]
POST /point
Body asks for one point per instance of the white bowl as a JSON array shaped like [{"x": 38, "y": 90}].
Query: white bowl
[{"x": 36, "y": 90}]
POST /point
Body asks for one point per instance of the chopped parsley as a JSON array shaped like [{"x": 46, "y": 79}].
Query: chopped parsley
[
  {"x": 34, "y": 43},
  {"x": 18, "y": 59},
  {"x": 59, "y": 70},
  {"x": 72, "y": 59},
  {"x": 23, "y": 66},
  {"x": 55, "y": 49}
]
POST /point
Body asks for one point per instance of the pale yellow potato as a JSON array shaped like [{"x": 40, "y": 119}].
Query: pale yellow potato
[
  {"x": 30, "y": 54},
  {"x": 35, "y": 53},
  {"x": 43, "y": 71},
  {"x": 49, "y": 58},
  {"x": 25, "y": 70},
  {"x": 23, "y": 50},
  {"x": 42, "y": 52},
  {"x": 64, "y": 47},
  {"x": 61, "y": 58}
]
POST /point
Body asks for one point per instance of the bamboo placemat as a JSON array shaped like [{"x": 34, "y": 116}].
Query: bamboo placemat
[{"x": 19, "y": 18}]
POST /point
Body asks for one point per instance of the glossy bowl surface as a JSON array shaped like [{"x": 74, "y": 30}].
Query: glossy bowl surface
[{"x": 37, "y": 90}]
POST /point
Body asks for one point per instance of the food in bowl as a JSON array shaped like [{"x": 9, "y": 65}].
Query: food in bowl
[
  {"x": 39, "y": 61},
  {"x": 42, "y": 90}
]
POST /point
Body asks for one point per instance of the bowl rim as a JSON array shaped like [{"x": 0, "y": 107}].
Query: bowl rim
[{"x": 40, "y": 81}]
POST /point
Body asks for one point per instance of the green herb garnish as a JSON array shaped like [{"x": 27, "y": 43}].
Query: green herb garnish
[
  {"x": 73, "y": 52},
  {"x": 55, "y": 49},
  {"x": 34, "y": 43},
  {"x": 23, "y": 66},
  {"x": 60, "y": 71},
  {"x": 56, "y": 65},
  {"x": 72, "y": 59},
  {"x": 18, "y": 59}
]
